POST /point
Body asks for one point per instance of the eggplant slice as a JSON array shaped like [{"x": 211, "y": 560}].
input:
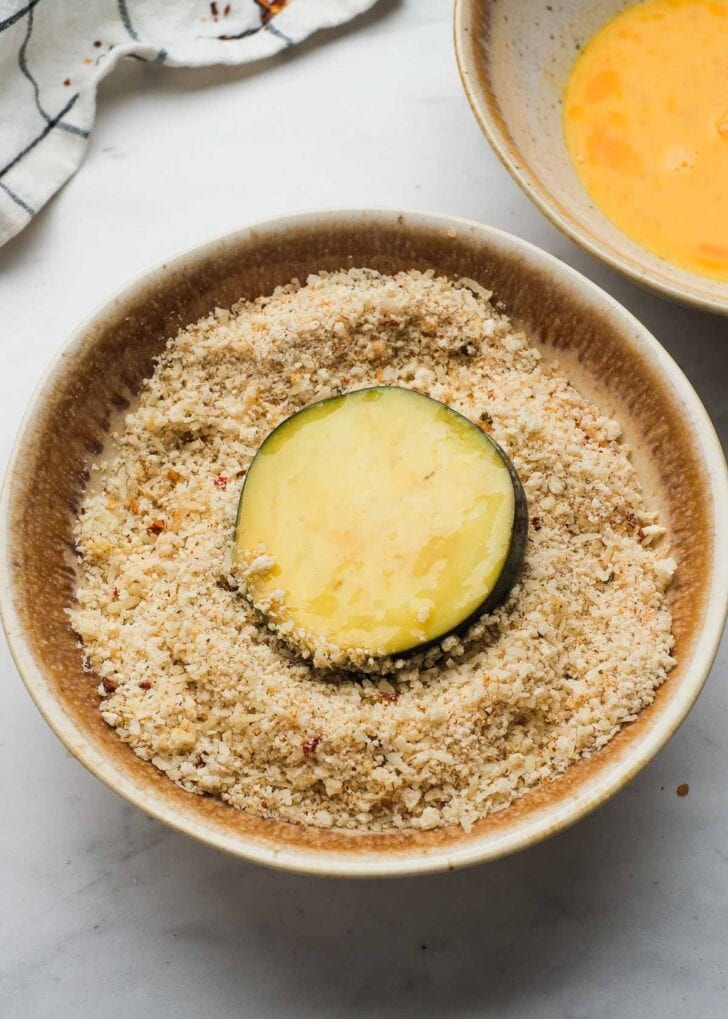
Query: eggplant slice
[{"x": 377, "y": 523}]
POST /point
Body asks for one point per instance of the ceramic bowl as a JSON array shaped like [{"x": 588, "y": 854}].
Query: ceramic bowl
[
  {"x": 611, "y": 357},
  {"x": 514, "y": 58}
]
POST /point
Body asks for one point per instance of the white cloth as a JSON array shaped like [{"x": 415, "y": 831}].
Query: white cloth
[{"x": 53, "y": 53}]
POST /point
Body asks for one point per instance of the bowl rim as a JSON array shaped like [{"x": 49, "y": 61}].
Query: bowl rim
[
  {"x": 546, "y": 821},
  {"x": 484, "y": 110}
]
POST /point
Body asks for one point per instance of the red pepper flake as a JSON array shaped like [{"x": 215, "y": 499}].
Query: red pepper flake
[
  {"x": 631, "y": 520},
  {"x": 221, "y": 482},
  {"x": 536, "y": 523},
  {"x": 145, "y": 685},
  {"x": 109, "y": 685},
  {"x": 264, "y": 804},
  {"x": 115, "y": 594},
  {"x": 391, "y": 323},
  {"x": 683, "y": 789},
  {"x": 213, "y": 10},
  {"x": 390, "y": 698},
  {"x": 156, "y": 527},
  {"x": 67, "y": 81},
  {"x": 309, "y": 746},
  {"x": 269, "y": 9}
]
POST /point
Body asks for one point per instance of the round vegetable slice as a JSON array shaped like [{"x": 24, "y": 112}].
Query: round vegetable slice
[{"x": 376, "y": 523}]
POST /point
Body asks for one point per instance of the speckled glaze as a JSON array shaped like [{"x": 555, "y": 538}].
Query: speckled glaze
[
  {"x": 514, "y": 58},
  {"x": 608, "y": 354}
]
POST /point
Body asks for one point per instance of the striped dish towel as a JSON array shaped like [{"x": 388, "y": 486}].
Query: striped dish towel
[{"x": 53, "y": 53}]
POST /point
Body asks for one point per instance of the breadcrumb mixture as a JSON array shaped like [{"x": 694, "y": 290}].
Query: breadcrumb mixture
[{"x": 193, "y": 682}]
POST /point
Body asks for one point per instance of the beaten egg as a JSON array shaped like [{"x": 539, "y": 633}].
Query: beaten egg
[{"x": 646, "y": 125}]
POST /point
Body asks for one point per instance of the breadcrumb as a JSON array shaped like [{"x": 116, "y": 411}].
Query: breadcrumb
[{"x": 189, "y": 677}]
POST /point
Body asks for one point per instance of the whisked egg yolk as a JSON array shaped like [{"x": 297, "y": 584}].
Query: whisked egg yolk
[{"x": 646, "y": 125}]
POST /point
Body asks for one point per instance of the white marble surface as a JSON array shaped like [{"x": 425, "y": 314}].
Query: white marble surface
[{"x": 104, "y": 912}]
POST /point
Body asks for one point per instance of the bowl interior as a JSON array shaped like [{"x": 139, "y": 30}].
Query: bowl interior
[
  {"x": 515, "y": 57},
  {"x": 606, "y": 351}
]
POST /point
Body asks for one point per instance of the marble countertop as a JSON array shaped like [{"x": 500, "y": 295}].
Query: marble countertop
[{"x": 105, "y": 912}]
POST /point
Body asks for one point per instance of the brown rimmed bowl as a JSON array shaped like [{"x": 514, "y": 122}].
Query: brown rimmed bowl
[
  {"x": 514, "y": 58},
  {"x": 611, "y": 357}
]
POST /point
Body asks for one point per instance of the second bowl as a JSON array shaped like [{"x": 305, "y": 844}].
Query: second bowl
[{"x": 514, "y": 58}]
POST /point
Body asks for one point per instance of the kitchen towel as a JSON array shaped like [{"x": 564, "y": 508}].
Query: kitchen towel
[{"x": 53, "y": 53}]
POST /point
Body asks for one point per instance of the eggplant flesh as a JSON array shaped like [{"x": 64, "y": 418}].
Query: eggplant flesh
[{"x": 378, "y": 523}]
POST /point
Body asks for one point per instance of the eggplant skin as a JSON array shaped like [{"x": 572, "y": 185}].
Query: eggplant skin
[
  {"x": 509, "y": 575},
  {"x": 513, "y": 565}
]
